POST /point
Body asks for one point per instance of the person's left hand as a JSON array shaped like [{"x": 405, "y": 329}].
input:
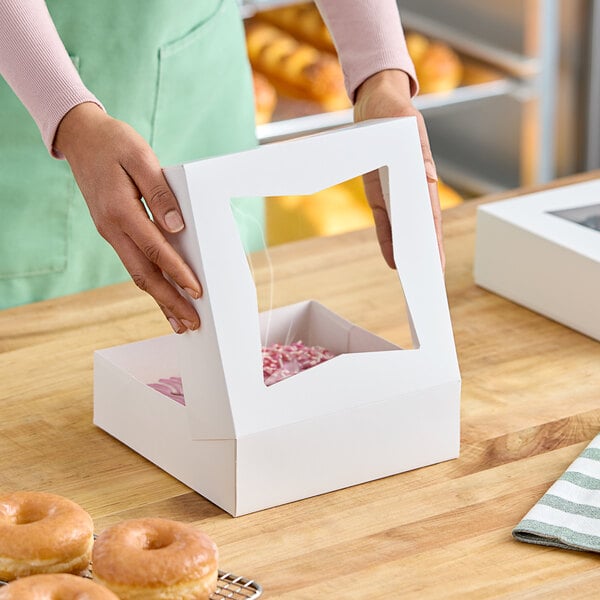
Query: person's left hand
[{"x": 387, "y": 94}]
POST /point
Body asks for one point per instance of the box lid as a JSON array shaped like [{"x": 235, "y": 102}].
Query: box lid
[
  {"x": 221, "y": 364},
  {"x": 556, "y": 215}
]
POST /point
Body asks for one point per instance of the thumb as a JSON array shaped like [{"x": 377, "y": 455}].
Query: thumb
[{"x": 383, "y": 228}]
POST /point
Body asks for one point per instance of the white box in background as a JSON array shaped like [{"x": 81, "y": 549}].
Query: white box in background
[
  {"x": 373, "y": 411},
  {"x": 542, "y": 250}
]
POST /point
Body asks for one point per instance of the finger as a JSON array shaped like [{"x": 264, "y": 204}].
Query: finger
[
  {"x": 143, "y": 167},
  {"x": 152, "y": 243},
  {"x": 176, "y": 324},
  {"x": 432, "y": 179},
  {"x": 149, "y": 278},
  {"x": 383, "y": 228},
  {"x": 430, "y": 169},
  {"x": 437, "y": 218}
]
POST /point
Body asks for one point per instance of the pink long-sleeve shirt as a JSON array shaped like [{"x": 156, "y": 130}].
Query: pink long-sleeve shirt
[{"x": 33, "y": 60}]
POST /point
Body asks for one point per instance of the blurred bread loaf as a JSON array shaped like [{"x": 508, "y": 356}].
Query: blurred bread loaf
[
  {"x": 438, "y": 67},
  {"x": 265, "y": 98},
  {"x": 337, "y": 209},
  {"x": 449, "y": 197},
  {"x": 417, "y": 45},
  {"x": 303, "y": 21},
  {"x": 295, "y": 68}
]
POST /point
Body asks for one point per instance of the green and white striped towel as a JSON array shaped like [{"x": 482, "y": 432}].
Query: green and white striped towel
[{"x": 568, "y": 514}]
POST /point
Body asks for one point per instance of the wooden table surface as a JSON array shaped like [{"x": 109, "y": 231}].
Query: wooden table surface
[{"x": 530, "y": 404}]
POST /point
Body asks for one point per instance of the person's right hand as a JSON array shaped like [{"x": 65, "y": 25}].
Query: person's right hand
[{"x": 114, "y": 168}]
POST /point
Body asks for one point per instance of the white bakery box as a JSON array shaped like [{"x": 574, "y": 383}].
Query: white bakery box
[
  {"x": 372, "y": 411},
  {"x": 542, "y": 250}
]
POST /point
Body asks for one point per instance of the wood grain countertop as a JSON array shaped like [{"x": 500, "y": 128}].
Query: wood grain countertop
[{"x": 530, "y": 404}]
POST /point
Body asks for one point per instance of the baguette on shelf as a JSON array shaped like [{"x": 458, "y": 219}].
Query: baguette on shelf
[
  {"x": 303, "y": 21},
  {"x": 292, "y": 47},
  {"x": 295, "y": 68}
]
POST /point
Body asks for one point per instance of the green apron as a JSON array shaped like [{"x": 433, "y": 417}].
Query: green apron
[{"x": 175, "y": 71}]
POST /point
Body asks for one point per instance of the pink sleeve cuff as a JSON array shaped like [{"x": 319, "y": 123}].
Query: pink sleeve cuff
[
  {"x": 36, "y": 65},
  {"x": 369, "y": 38}
]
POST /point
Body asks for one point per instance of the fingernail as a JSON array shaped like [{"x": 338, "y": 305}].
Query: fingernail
[
  {"x": 191, "y": 326},
  {"x": 173, "y": 221},
  {"x": 175, "y": 324},
  {"x": 193, "y": 293}
]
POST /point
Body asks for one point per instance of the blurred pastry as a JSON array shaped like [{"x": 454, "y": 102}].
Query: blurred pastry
[
  {"x": 265, "y": 98},
  {"x": 296, "y": 69},
  {"x": 449, "y": 197},
  {"x": 417, "y": 45},
  {"x": 337, "y": 209},
  {"x": 475, "y": 72},
  {"x": 438, "y": 67},
  {"x": 303, "y": 21},
  {"x": 439, "y": 70}
]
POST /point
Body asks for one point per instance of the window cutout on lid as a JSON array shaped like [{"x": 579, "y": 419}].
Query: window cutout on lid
[
  {"x": 587, "y": 216},
  {"x": 321, "y": 247}
]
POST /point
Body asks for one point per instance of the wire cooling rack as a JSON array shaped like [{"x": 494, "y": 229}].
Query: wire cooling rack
[
  {"x": 229, "y": 586},
  {"x": 236, "y": 587}
]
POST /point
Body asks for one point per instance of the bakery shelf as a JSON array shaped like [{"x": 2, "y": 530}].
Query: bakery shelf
[
  {"x": 514, "y": 108},
  {"x": 466, "y": 182},
  {"x": 468, "y": 93},
  {"x": 321, "y": 121},
  {"x": 249, "y": 8},
  {"x": 279, "y": 130},
  {"x": 512, "y": 63}
]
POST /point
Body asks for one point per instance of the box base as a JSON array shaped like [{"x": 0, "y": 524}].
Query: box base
[{"x": 275, "y": 466}]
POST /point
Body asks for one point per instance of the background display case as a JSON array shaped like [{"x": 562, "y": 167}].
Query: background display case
[{"x": 526, "y": 108}]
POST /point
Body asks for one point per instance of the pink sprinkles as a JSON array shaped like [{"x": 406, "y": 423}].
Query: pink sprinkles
[
  {"x": 279, "y": 362},
  {"x": 172, "y": 387},
  {"x": 283, "y": 361}
]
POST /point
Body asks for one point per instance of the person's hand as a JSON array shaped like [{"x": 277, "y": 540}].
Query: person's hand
[
  {"x": 114, "y": 168},
  {"x": 387, "y": 94}
]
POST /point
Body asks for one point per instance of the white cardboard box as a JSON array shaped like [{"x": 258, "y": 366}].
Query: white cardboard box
[
  {"x": 246, "y": 446},
  {"x": 535, "y": 251}
]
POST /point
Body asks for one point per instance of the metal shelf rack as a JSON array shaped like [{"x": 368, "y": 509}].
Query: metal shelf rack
[{"x": 504, "y": 130}]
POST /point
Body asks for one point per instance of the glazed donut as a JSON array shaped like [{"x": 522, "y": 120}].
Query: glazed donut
[
  {"x": 43, "y": 533},
  {"x": 56, "y": 585},
  {"x": 152, "y": 558}
]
